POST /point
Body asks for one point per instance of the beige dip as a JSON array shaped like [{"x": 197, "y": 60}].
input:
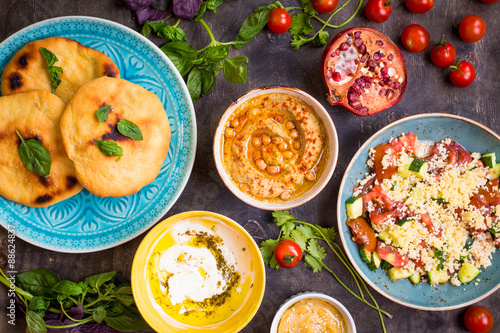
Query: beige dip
[
  {"x": 312, "y": 316},
  {"x": 274, "y": 147}
]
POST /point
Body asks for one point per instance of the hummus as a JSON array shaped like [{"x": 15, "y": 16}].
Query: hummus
[
  {"x": 275, "y": 147},
  {"x": 200, "y": 272},
  {"x": 312, "y": 316}
]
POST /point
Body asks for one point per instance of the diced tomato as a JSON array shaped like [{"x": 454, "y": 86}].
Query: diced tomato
[
  {"x": 392, "y": 256},
  {"x": 427, "y": 222},
  {"x": 382, "y": 173},
  {"x": 456, "y": 153},
  {"x": 363, "y": 233},
  {"x": 383, "y": 207},
  {"x": 487, "y": 196},
  {"x": 405, "y": 142}
]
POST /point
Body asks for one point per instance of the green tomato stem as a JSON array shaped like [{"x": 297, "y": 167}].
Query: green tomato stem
[{"x": 326, "y": 24}]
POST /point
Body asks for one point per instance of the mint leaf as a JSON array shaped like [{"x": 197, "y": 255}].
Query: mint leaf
[
  {"x": 312, "y": 263},
  {"x": 35, "y": 157},
  {"x": 129, "y": 129},
  {"x": 315, "y": 249},
  {"x": 102, "y": 113},
  {"x": 109, "y": 148},
  {"x": 301, "y": 24},
  {"x": 267, "y": 251},
  {"x": 281, "y": 217}
]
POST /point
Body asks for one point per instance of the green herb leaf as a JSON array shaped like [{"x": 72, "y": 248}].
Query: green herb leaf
[
  {"x": 125, "y": 299},
  {"x": 299, "y": 238},
  {"x": 182, "y": 55},
  {"x": 312, "y": 263},
  {"x": 50, "y": 59},
  {"x": 267, "y": 251},
  {"x": 102, "y": 113},
  {"x": 217, "y": 53},
  {"x": 96, "y": 281},
  {"x": 315, "y": 250},
  {"x": 37, "y": 304},
  {"x": 146, "y": 30},
  {"x": 38, "y": 282},
  {"x": 321, "y": 38},
  {"x": 287, "y": 228},
  {"x": 129, "y": 129},
  {"x": 130, "y": 320},
  {"x": 194, "y": 84},
  {"x": 281, "y": 217},
  {"x": 254, "y": 23},
  {"x": 35, "y": 323},
  {"x": 330, "y": 233},
  {"x": 301, "y": 24},
  {"x": 308, "y": 7},
  {"x": 99, "y": 314},
  {"x": 234, "y": 70},
  {"x": 298, "y": 40},
  {"x": 167, "y": 31},
  {"x": 207, "y": 80},
  {"x": 109, "y": 148},
  {"x": 34, "y": 156},
  {"x": 306, "y": 230},
  {"x": 68, "y": 288}
]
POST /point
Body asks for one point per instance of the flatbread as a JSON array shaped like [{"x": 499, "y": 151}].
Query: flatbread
[
  {"x": 35, "y": 115},
  {"x": 27, "y": 70},
  {"x": 141, "y": 161}
]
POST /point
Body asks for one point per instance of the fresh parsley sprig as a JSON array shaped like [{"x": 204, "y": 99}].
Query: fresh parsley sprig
[
  {"x": 50, "y": 59},
  {"x": 308, "y": 235}
]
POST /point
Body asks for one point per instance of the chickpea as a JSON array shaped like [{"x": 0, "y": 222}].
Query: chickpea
[
  {"x": 296, "y": 144},
  {"x": 266, "y": 139},
  {"x": 283, "y": 146},
  {"x": 261, "y": 164},
  {"x": 286, "y": 195},
  {"x": 277, "y": 140},
  {"x": 229, "y": 132},
  {"x": 256, "y": 155},
  {"x": 287, "y": 154},
  {"x": 290, "y": 125},
  {"x": 245, "y": 187},
  {"x": 235, "y": 122},
  {"x": 272, "y": 169},
  {"x": 310, "y": 176},
  {"x": 256, "y": 141},
  {"x": 294, "y": 134},
  {"x": 278, "y": 118}
]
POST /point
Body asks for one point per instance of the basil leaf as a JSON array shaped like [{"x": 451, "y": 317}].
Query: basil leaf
[
  {"x": 146, "y": 30},
  {"x": 217, "y": 53},
  {"x": 102, "y": 113},
  {"x": 129, "y": 129},
  {"x": 34, "y": 156},
  {"x": 207, "y": 80},
  {"x": 166, "y": 31},
  {"x": 130, "y": 320},
  {"x": 301, "y": 24},
  {"x": 201, "y": 11},
  {"x": 37, "y": 303},
  {"x": 38, "y": 282},
  {"x": 125, "y": 299},
  {"x": 208, "y": 4},
  {"x": 68, "y": 288},
  {"x": 99, "y": 314},
  {"x": 50, "y": 59},
  {"x": 109, "y": 148},
  {"x": 234, "y": 70},
  {"x": 194, "y": 84},
  {"x": 182, "y": 55},
  {"x": 254, "y": 23},
  {"x": 96, "y": 281},
  {"x": 35, "y": 323}
]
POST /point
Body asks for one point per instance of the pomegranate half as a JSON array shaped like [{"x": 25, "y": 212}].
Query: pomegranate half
[{"x": 364, "y": 71}]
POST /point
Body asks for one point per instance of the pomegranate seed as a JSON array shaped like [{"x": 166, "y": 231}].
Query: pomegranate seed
[
  {"x": 337, "y": 77},
  {"x": 364, "y": 58},
  {"x": 390, "y": 57},
  {"x": 357, "y": 34},
  {"x": 397, "y": 85},
  {"x": 356, "y": 61},
  {"x": 381, "y": 83},
  {"x": 343, "y": 46},
  {"x": 372, "y": 69},
  {"x": 390, "y": 94},
  {"x": 336, "y": 53},
  {"x": 382, "y": 92},
  {"x": 356, "y": 104},
  {"x": 360, "y": 82},
  {"x": 384, "y": 71},
  {"x": 366, "y": 78},
  {"x": 376, "y": 56},
  {"x": 352, "y": 97},
  {"x": 349, "y": 42},
  {"x": 387, "y": 82},
  {"x": 362, "y": 49},
  {"x": 380, "y": 43},
  {"x": 364, "y": 109},
  {"x": 368, "y": 85},
  {"x": 358, "y": 42}
]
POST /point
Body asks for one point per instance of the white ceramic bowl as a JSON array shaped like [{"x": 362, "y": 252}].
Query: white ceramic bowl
[
  {"x": 332, "y": 146},
  {"x": 351, "y": 327}
]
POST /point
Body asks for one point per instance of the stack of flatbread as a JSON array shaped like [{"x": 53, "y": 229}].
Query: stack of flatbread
[{"x": 66, "y": 124}]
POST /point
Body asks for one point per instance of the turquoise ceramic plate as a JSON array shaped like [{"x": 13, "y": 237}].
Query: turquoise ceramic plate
[
  {"x": 475, "y": 138},
  {"x": 86, "y": 223}
]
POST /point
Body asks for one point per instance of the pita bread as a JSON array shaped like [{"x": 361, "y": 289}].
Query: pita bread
[
  {"x": 141, "y": 161},
  {"x": 27, "y": 70},
  {"x": 35, "y": 115}
]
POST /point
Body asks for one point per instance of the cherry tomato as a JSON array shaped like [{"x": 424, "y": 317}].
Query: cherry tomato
[
  {"x": 419, "y": 6},
  {"x": 288, "y": 253},
  {"x": 325, "y": 6},
  {"x": 443, "y": 54},
  {"x": 462, "y": 74},
  {"x": 415, "y": 38},
  {"x": 472, "y": 28},
  {"x": 378, "y": 11},
  {"x": 489, "y": 1},
  {"x": 279, "y": 20},
  {"x": 479, "y": 319}
]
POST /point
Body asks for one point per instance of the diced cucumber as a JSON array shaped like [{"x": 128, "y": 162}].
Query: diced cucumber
[
  {"x": 365, "y": 255},
  {"x": 395, "y": 236},
  {"x": 467, "y": 273},
  {"x": 354, "y": 207},
  {"x": 495, "y": 228},
  {"x": 404, "y": 168},
  {"x": 436, "y": 276},
  {"x": 403, "y": 222},
  {"x": 398, "y": 273},
  {"x": 415, "y": 278},
  {"x": 419, "y": 167},
  {"x": 383, "y": 236},
  {"x": 489, "y": 160},
  {"x": 376, "y": 261},
  {"x": 495, "y": 171},
  {"x": 386, "y": 265}
]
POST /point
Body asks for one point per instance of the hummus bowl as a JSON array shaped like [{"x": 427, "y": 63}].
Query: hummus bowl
[
  {"x": 198, "y": 272},
  {"x": 276, "y": 147}
]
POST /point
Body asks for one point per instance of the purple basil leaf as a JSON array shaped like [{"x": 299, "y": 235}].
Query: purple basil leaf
[
  {"x": 137, "y": 4},
  {"x": 186, "y": 9},
  {"x": 76, "y": 312},
  {"x": 160, "y": 4},
  {"x": 151, "y": 14},
  {"x": 49, "y": 315},
  {"x": 55, "y": 322}
]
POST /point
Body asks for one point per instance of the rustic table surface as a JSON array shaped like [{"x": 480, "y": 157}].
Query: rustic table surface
[{"x": 273, "y": 62}]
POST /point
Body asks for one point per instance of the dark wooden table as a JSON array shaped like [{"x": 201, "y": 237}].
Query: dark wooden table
[{"x": 273, "y": 62}]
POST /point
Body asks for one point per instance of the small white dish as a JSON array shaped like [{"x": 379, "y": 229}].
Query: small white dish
[
  {"x": 351, "y": 327},
  {"x": 324, "y": 178}
]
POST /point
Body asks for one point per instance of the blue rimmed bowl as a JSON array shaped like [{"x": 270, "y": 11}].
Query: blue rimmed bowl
[{"x": 434, "y": 127}]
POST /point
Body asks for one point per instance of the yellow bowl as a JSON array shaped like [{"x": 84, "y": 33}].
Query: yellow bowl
[{"x": 155, "y": 314}]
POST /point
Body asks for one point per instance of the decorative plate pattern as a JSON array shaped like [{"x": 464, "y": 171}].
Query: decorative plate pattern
[
  {"x": 87, "y": 223},
  {"x": 434, "y": 127}
]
